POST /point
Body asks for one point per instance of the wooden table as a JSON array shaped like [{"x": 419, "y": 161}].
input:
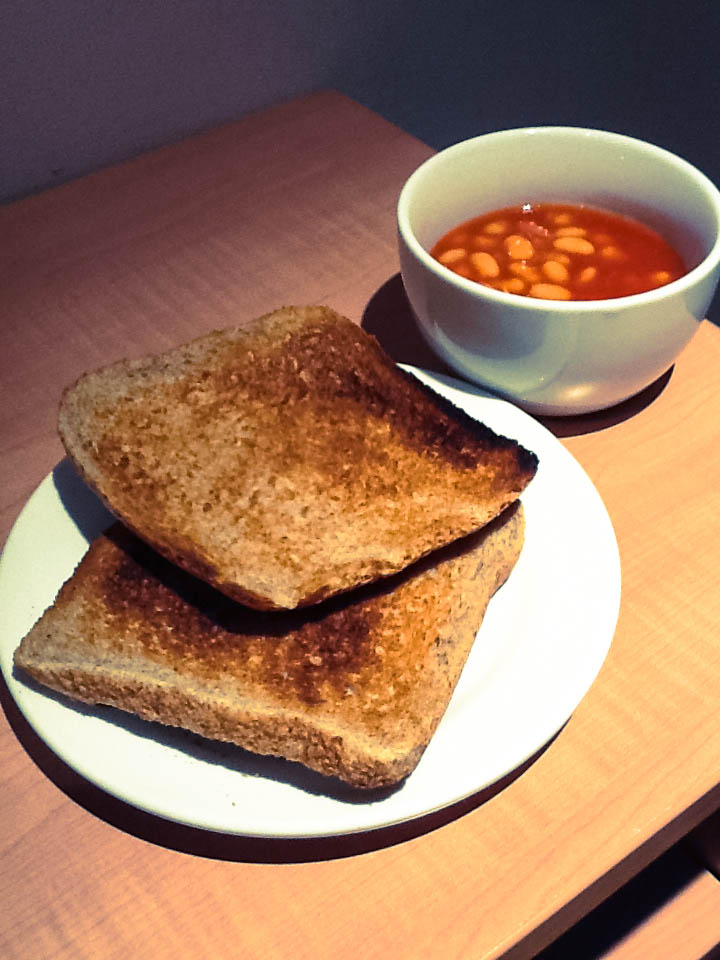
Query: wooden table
[{"x": 296, "y": 204}]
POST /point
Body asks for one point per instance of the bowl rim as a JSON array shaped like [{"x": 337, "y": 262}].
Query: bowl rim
[{"x": 688, "y": 280}]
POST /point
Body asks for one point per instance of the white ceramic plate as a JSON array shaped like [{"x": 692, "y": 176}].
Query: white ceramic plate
[{"x": 541, "y": 645}]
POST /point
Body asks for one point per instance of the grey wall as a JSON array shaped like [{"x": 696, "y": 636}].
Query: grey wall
[{"x": 84, "y": 83}]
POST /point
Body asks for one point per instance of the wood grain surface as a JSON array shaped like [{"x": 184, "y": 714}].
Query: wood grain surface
[{"x": 297, "y": 204}]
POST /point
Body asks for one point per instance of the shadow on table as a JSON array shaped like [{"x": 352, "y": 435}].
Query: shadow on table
[
  {"x": 221, "y": 846},
  {"x": 389, "y": 317},
  {"x": 607, "y": 927}
]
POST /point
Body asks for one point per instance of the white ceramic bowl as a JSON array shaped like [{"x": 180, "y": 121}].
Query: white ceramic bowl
[{"x": 564, "y": 357}]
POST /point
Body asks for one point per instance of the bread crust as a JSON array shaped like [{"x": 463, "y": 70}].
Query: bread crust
[
  {"x": 352, "y": 688},
  {"x": 286, "y": 461}
]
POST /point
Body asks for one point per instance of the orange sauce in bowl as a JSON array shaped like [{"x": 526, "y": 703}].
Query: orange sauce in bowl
[{"x": 555, "y": 251}]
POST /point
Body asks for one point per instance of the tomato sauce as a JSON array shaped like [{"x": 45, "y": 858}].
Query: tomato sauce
[{"x": 560, "y": 252}]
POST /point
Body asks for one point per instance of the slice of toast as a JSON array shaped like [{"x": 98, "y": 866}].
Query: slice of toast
[
  {"x": 287, "y": 461},
  {"x": 353, "y": 688}
]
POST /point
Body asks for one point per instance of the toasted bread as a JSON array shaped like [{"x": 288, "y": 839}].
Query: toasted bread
[
  {"x": 352, "y": 688},
  {"x": 287, "y": 461}
]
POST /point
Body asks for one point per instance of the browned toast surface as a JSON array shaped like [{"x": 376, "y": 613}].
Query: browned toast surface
[
  {"x": 353, "y": 687},
  {"x": 287, "y": 461}
]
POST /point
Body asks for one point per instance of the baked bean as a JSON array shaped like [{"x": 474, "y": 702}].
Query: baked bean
[
  {"x": 571, "y": 232},
  {"x": 574, "y": 245},
  {"x": 485, "y": 264},
  {"x": 524, "y": 270},
  {"x": 519, "y": 248},
  {"x": 555, "y": 271},
  {"x": 549, "y": 291},
  {"x": 484, "y": 243},
  {"x": 455, "y": 255},
  {"x": 559, "y": 252}
]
